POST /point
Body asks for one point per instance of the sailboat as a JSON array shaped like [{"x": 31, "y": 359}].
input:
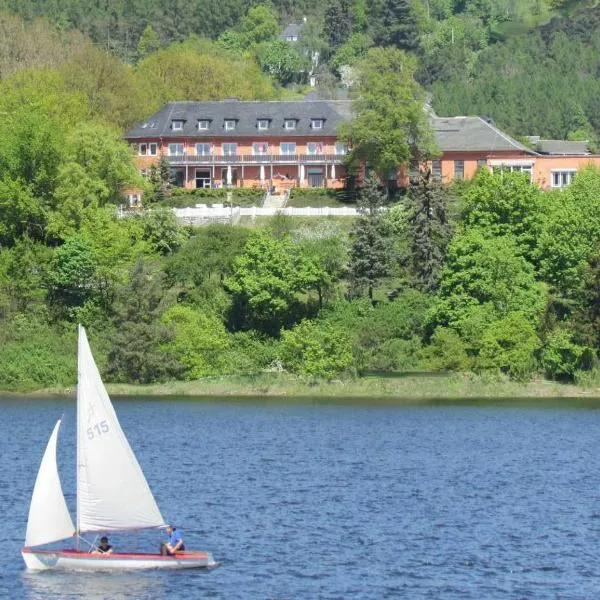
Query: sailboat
[{"x": 112, "y": 492}]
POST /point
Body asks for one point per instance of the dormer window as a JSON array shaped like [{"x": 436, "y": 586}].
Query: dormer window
[
  {"x": 203, "y": 124},
  {"x": 289, "y": 124},
  {"x": 316, "y": 123},
  {"x": 177, "y": 124},
  {"x": 229, "y": 124},
  {"x": 263, "y": 124}
]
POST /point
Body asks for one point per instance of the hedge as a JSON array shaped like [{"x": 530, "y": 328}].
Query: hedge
[{"x": 317, "y": 197}]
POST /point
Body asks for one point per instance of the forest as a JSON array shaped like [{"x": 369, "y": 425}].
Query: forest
[{"x": 492, "y": 276}]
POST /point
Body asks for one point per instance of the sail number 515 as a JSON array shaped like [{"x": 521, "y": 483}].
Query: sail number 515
[{"x": 97, "y": 430}]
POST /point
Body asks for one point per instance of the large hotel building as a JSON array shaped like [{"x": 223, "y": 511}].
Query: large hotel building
[{"x": 284, "y": 144}]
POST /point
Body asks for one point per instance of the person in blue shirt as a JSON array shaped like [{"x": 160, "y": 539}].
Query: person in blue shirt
[{"x": 175, "y": 543}]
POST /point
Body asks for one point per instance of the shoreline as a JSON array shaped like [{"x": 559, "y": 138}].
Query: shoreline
[{"x": 399, "y": 389}]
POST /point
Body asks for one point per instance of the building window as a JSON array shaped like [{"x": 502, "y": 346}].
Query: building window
[
  {"x": 203, "y": 149},
  {"x": 290, "y": 124},
  {"x": 314, "y": 148},
  {"x": 263, "y": 124},
  {"x": 260, "y": 148},
  {"x": 229, "y": 124},
  {"x": 177, "y": 124},
  {"x": 176, "y": 150},
  {"x": 436, "y": 170},
  {"x": 229, "y": 149},
  {"x": 287, "y": 148},
  {"x": 316, "y": 123},
  {"x": 148, "y": 149},
  {"x": 203, "y": 179},
  {"x": 459, "y": 169},
  {"x": 203, "y": 124},
  {"x": 341, "y": 149},
  {"x": 291, "y": 38},
  {"x": 561, "y": 179},
  {"x": 514, "y": 169},
  {"x": 481, "y": 162}
]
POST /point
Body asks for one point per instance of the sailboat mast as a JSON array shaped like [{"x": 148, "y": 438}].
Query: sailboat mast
[{"x": 77, "y": 478}]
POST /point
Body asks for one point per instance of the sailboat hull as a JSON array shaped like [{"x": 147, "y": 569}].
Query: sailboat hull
[{"x": 75, "y": 560}]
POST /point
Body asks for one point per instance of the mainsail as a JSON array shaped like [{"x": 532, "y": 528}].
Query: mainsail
[
  {"x": 112, "y": 492},
  {"x": 49, "y": 518}
]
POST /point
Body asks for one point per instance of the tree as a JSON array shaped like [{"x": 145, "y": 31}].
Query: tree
[
  {"x": 135, "y": 354},
  {"x": 282, "y": 61},
  {"x": 202, "y": 72},
  {"x": 506, "y": 204},
  {"x": 147, "y": 44},
  {"x": 315, "y": 349},
  {"x": 429, "y": 229},
  {"x": 371, "y": 250},
  {"x": 389, "y": 127},
  {"x": 267, "y": 281},
  {"x": 486, "y": 273},
  {"x": 338, "y": 22},
  {"x": 72, "y": 278},
  {"x": 199, "y": 342},
  {"x": 396, "y": 24}
]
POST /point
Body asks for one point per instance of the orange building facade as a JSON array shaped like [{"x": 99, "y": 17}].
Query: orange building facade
[{"x": 283, "y": 144}]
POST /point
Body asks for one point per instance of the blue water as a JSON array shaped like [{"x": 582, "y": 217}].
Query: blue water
[{"x": 323, "y": 502}]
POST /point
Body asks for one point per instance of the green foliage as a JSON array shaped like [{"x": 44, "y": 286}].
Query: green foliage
[
  {"x": 161, "y": 230},
  {"x": 204, "y": 73},
  {"x": 446, "y": 352},
  {"x": 283, "y": 62},
  {"x": 34, "y": 355},
  {"x": 570, "y": 229},
  {"x": 136, "y": 353},
  {"x": 72, "y": 278},
  {"x": 389, "y": 127},
  {"x": 429, "y": 230},
  {"x": 267, "y": 282},
  {"x": 499, "y": 204},
  {"x": 199, "y": 341},
  {"x": 210, "y": 253},
  {"x": 395, "y": 23},
  {"x": 510, "y": 345},
  {"x": 316, "y": 197},
  {"x": 482, "y": 271},
  {"x": 561, "y": 357},
  {"x": 372, "y": 249},
  {"x": 315, "y": 349}
]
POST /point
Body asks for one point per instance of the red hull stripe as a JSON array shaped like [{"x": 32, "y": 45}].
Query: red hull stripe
[{"x": 121, "y": 555}]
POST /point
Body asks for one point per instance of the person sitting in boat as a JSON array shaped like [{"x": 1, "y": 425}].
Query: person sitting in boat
[
  {"x": 103, "y": 547},
  {"x": 175, "y": 543}
]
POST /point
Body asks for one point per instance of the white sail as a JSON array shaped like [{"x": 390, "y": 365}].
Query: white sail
[
  {"x": 49, "y": 518},
  {"x": 112, "y": 492}
]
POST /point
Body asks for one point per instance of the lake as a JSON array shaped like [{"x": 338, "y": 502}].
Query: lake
[{"x": 316, "y": 501}]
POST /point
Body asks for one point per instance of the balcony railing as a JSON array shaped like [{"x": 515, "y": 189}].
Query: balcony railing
[{"x": 257, "y": 159}]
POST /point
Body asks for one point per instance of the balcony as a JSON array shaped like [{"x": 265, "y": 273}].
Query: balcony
[{"x": 258, "y": 159}]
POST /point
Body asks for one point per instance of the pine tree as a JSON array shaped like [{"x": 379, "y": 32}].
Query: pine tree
[
  {"x": 147, "y": 44},
  {"x": 429, "y": 229},
  {"x": 397, "y": 25},
  {"x": 338, "y": 23},
  {"x": 372, "y": 250}
]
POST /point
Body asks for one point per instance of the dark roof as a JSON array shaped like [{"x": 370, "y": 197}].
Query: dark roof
[
  {"x": 562, "y": 147},
  {"x": 451, "y": 134},
  {"x": 463, "y": 134},
  {"x": 246, "y": 115},
  {"x": 292, "y": 30}
]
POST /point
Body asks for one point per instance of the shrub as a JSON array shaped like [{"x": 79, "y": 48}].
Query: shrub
[
  {"x": 317, "y": 197},
  {"x": 561, "y": 357},
  {"x": 315, "y": 349}
]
